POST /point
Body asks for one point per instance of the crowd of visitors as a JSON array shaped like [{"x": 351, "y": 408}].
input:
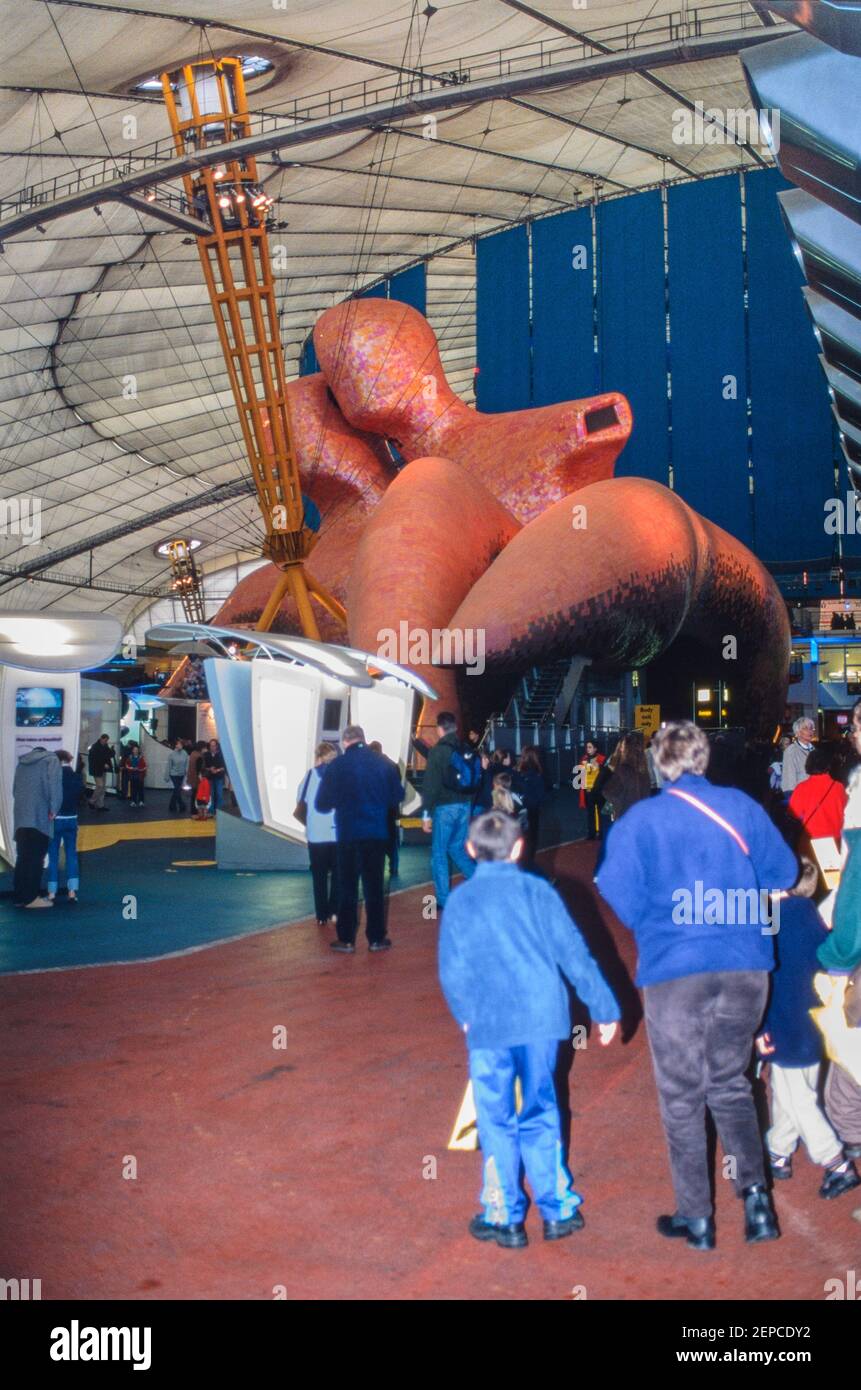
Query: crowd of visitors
[
  {"x": 716, "y": 878},
  {"x": 195, "y": 768}
]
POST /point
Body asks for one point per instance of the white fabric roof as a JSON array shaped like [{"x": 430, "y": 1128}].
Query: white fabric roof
[{"x": 105, "y": 296}]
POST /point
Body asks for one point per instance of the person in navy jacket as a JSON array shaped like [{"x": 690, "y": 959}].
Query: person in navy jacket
[
  {"x": 506, "y": 941},
  {"x": 792, "y": 1043},
  {"x": 689, "y": 872},
  {"x": 363, "y": 790}
]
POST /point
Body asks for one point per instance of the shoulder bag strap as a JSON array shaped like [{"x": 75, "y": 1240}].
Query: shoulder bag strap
[{"x": 712, "y": 815}]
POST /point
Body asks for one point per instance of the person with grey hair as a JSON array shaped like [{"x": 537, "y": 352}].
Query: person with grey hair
[
  {"x": 362, "y": 789},
  {"x": 795, "y": 757},
  {"x": 688, "y": 871}
]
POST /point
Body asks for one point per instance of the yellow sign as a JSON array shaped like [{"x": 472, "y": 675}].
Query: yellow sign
[{"x": 647, "y": 718}]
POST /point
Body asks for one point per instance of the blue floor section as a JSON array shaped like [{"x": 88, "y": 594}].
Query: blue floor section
[{"x": 136, "y": 904}]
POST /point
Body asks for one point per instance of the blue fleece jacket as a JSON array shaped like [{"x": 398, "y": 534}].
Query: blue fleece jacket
[
  {"x": 664, "y": 854},
  {"x": 506, "y": 941},
  {"x": 362, "y": 789},
  {"x": 796, "y": 1039}
]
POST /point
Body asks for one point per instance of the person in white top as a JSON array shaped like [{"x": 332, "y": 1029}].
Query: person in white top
[
  {"x": 320, "y": 827},
  {"x": 795, "y": 757},
  {"x": 177, "y": 767}
]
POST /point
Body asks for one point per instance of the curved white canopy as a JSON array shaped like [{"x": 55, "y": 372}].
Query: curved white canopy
[
  {"x": 57, "y": 641},
  {"x": 344, "y": 663}
]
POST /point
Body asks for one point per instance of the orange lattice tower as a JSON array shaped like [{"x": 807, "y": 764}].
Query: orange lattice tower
[{"x": 207, "y": 107}]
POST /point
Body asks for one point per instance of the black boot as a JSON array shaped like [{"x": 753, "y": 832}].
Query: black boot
[
  {"x": 558, "y": 1230},
  {"x": 510, "y": 1237},
  {"x": 840, "y": 1180},
  {"x": 760, "y": 1218},
  {"x": 700, "y": 1232}
]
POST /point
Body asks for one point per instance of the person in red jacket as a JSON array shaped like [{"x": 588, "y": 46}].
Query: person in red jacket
[{"x": 819, "y": 802}]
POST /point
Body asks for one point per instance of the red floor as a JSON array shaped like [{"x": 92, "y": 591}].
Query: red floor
[{"x": 303, "y": 1167}]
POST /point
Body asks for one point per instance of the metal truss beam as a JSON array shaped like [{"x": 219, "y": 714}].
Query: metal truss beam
[
  {"x": 11, "y": 573},
  {"x": 163, "y": 212},
  {"x": 224, "y": 492},
  {"x": 103, "y": 184}
]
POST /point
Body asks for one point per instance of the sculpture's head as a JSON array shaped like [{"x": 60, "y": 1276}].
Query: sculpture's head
[{"x": 381, "y": 360}]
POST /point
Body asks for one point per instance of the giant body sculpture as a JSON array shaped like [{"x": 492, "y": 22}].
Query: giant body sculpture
[{"x": 512, "y": 525}]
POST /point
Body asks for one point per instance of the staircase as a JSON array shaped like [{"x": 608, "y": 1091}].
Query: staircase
[{"x": 537, "y": 691}]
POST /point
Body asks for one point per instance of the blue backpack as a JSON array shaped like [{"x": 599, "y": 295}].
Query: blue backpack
[{"x": 464, "y": 770}]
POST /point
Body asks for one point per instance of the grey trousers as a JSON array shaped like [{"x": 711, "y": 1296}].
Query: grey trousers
[
  {"x": 701, "y": 1031},
  {"x": 843, "y": 1104}
]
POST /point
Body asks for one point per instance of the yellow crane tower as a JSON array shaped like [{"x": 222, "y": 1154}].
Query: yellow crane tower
[{"x": 207, "y": 106}]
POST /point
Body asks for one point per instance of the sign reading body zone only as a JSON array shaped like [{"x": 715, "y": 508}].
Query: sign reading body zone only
[{"x": 647, "y": 718}]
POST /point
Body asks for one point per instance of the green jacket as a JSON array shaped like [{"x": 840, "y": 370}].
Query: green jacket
[
  {"x": 841, "y": 953},
  {"x": 434, "y": 791}
]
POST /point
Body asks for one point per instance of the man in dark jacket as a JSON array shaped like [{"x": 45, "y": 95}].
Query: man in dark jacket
[
  {"x": 37, "y": 793},
  {"x": 100, "y": 760},
  {"x": 445, "y": 810},
  {"x": 362, "y": 789}
]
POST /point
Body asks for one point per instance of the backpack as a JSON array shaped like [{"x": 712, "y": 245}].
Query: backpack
[{"x": 463, "y": 773}]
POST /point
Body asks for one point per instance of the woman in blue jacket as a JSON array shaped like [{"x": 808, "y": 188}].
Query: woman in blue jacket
[{"x": 689, "y": 871}]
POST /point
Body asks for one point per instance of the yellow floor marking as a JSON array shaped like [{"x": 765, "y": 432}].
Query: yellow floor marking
[
  {"x": 101, "y": 836},
  {"x": 193, "y": 863}
]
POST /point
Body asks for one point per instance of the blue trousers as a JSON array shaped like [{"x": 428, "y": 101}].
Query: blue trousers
[
  {"x": 448, "y": 841},
  {"x": 65, "y": 833},
  {"x": 530, "y": 1141}
]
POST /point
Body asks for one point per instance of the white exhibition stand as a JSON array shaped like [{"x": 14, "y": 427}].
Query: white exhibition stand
[
  {"x": 273, "y": 710},
  {"x": 41, "y": 658}
]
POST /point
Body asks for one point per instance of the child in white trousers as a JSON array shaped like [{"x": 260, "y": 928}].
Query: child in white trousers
[{"x": 793, "y": 1045}]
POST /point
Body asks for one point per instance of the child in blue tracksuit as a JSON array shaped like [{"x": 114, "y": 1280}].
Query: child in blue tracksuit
[{"x": 505, "y": 943}]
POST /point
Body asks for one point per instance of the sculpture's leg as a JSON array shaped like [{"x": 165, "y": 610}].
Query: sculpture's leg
[
  {"x": 616, "y": 572},
  {"x": 433, "y": 534}
]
